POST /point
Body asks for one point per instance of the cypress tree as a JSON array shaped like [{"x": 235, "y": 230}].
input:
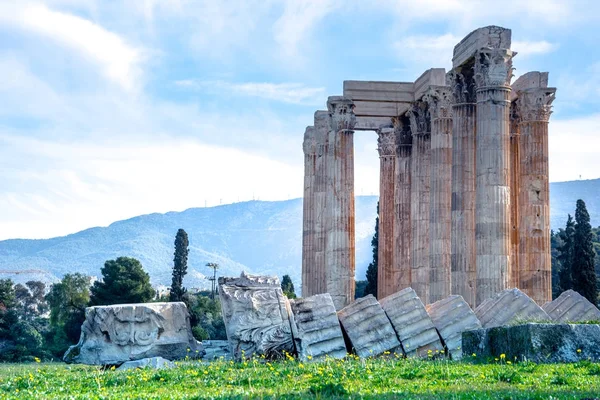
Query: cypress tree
[
  {"x": 287, "y": 286},
  {"x": 371, "y": 287},
  {"x": 179, "y": 265},
  {"x": 583, "y": 272},
  {"x": 566, "y": 256}
]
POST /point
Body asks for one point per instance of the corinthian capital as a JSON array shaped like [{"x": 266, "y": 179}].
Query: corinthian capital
[
  {"x": 439, "y": 100},
  {"x": 493, "y": 67},
  {"x": 402, "y": 129},
  {"x": 386, "y": 142},
  {"x": 463, "y": 87},
  {"x": 419, "y": 118},
  {"x": 535, "y": 104},
  {"x": 341, "y": 113},
  {"x": 310, "y": 141}
]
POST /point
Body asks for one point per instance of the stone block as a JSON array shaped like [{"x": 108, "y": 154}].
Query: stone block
[
  {"x": 451, "y": 317},
  {"x": 412, "y": 323},
  {"x": 540, "y": 343},
  {"x": 216, "y": 349},
  {"x": 509, "y": 307},
  {"x": 570, "y": 306},
  {"x": 257, "y": 316},
  {"x": 368, "y": 328},
  {"x": 317, "y": 332},
  {"x": 125, "y": 332},
  {"x": 488, "y": 37},
  {"x": 153, "y": 363}
]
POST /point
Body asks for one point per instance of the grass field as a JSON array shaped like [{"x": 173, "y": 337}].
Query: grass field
[{"x": 351, "y": 378}]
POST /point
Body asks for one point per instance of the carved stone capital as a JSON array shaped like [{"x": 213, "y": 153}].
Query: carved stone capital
[
  {"x": 402, "y": 131},
  {"x": 493, "y": 68},
  {"x": 462, "y": 87},
  {"x": 535, "y": 104},
  {"x": 439, "y": 100},
  {"x": 341, "y": 113},
  {"x": 419, "y": 118},
  {"x": 386, "y": 142}
]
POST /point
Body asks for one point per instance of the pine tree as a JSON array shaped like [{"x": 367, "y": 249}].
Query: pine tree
[
  {"x": 583, "y": 272},
  {"x": 179, "y": 265},
  {"x": 124, "y": 281},
  {"x": 566, "y": 256},
  {"x": 287, "y": 286},
  {"x": 371, "y": 287}
]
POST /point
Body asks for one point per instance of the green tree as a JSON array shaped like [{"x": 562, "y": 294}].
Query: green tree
[
  {"x": 565, "y": 257},
  {"x": 8, "y": 302},
  {"x": 205, "y": 317},
  {"x": 371, "y": 287},
  {"x": 31, "y": 300},
  {"x": 179, "y": 265},
  {"x": 67, "y": 300},
  {"x": 360, "y": 289},
  {"x": 287, "y": 286},
  {"x": 124, "y": 281},
  {"x": 583, "y": 271}
]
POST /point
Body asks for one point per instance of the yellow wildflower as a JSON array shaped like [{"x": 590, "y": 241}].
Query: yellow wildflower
[
  {"x": 578, "y": 350},
  {"x": 502, "y": 356},
  {"x": 37, "y": 360}
]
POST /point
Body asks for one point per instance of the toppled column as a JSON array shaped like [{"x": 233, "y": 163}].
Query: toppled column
[
  {"x": 412, "y": 324},
  {"x": 451, "y": 317},
  {"x": 464, "y": 272},
  {"x": 368, "y": 328},
  {"x": 440, "y": 214},
  {"x": 316, "y": 328},
  {"x": 339, "y": 220},
  {"x": 534, "y": 106},
  {"x": 509, "y": 307},
  {"x": 571, "y": 307},
  {"x": 402, "y": 201},
  {"x": 387, "y": 273},
  {"x": 493, "y": 71},
  {"x": 256, "y": 315},
  {"x": 420, "y": 125},
  {"x": 314, "y": 205}
]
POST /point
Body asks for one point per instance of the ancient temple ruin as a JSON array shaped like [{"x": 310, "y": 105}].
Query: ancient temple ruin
[{"x": 464, "y": 191}]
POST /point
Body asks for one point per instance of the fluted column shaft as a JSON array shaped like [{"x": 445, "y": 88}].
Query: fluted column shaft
[
  {"x": 440, "y": 214},
  {"x": 492, "y": 203},
  {"x": 402, "y": 196},
  {"x": 515, "y": 189},
  {"x": 535, "y": 275},
  {"x": 387, "y": 271},
  {"x": 308, "y": 208}
]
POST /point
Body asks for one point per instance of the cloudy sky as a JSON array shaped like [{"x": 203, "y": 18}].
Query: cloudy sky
[{"x": 111, "y": 109}]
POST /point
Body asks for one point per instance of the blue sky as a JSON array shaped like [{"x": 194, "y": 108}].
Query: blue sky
[{"x": 115, "y": 108}]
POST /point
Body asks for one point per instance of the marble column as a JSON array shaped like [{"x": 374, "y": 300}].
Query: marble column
[
  {"x": 340, "y": 224},
  {"x": 464, "y": 272},
  {"x": 402, "y": 202},
  {"x": 308, "y": 211},
  {"x": 387, "y": 271},
  {"x": 515, "y": 188},
  {"x": 535, "y": 274},
  {"x": 493, "y": 71},
  {"x": 420, "y": 124},
  {"x": 440, "y": 215}
]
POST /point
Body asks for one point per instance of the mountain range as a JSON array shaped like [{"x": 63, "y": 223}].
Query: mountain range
[{"x": 256, "y": 236}]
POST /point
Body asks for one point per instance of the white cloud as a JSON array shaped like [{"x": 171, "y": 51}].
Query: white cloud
[
  {"x": 525, "y": 48},
  {"x": 426, "y": 51},
  {"x": 120, "y": 61}
]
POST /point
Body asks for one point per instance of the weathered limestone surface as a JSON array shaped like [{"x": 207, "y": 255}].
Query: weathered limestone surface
[
  {"x": 412, "y": 323},
  {"x": 257, "y": 316},
  {"x": 317, "y": 332},
  {"x": 339, "y": 211},
  {"x": 515, "y": 190},
  {"x": 535, "y": 275},
  {"x": 368, "y": 327},
  {"x": 493, "y": 37},
  {"x": 493, "y": 70},
  {"x": 388, "y": 274},
  {"x": 464, "y": 272},
  {"x": 124, "y": 332},
  {"x": 152, "y": 363},
  {"x": 570, "y": 306},
  {"x": 451, "y": 317},
  {"x": 440, "y": 213},
  {"x": 540, "y": 343},
  {"x": 216, "y": 349},
  {"x": 420, "y": 125},
  {"x": 509, "y": 307},
  {"x": 402, "y": 211}
]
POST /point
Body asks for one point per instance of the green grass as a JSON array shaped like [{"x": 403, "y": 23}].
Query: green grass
[{"x": 351, "y": 378}]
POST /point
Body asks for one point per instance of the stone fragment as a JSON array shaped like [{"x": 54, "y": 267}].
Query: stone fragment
[
  {"x": 317, "y": 331},
  {"x": 124, "y": 332},
  {"x": 216, "y": 349},
  {"x": 452, "y": 316},
  {"x": 412, "y": 323},
  {"x": 257, "y": 316},
  {"x": 570, "y": 306},
  {"x": 509, "y": 307},
  {"x": 540, "y": 343},
  {"x": 368, "y": 328},
  {"x": 153, "y": 363}
]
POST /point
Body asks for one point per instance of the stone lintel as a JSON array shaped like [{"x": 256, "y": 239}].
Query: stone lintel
[
  {"x": 532, "y": 79},
  {"x": 494, "y": 37},
  {"x": 431, "y": 77}
]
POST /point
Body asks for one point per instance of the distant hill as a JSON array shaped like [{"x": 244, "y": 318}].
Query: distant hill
[{"x": 257, "y": 236}]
